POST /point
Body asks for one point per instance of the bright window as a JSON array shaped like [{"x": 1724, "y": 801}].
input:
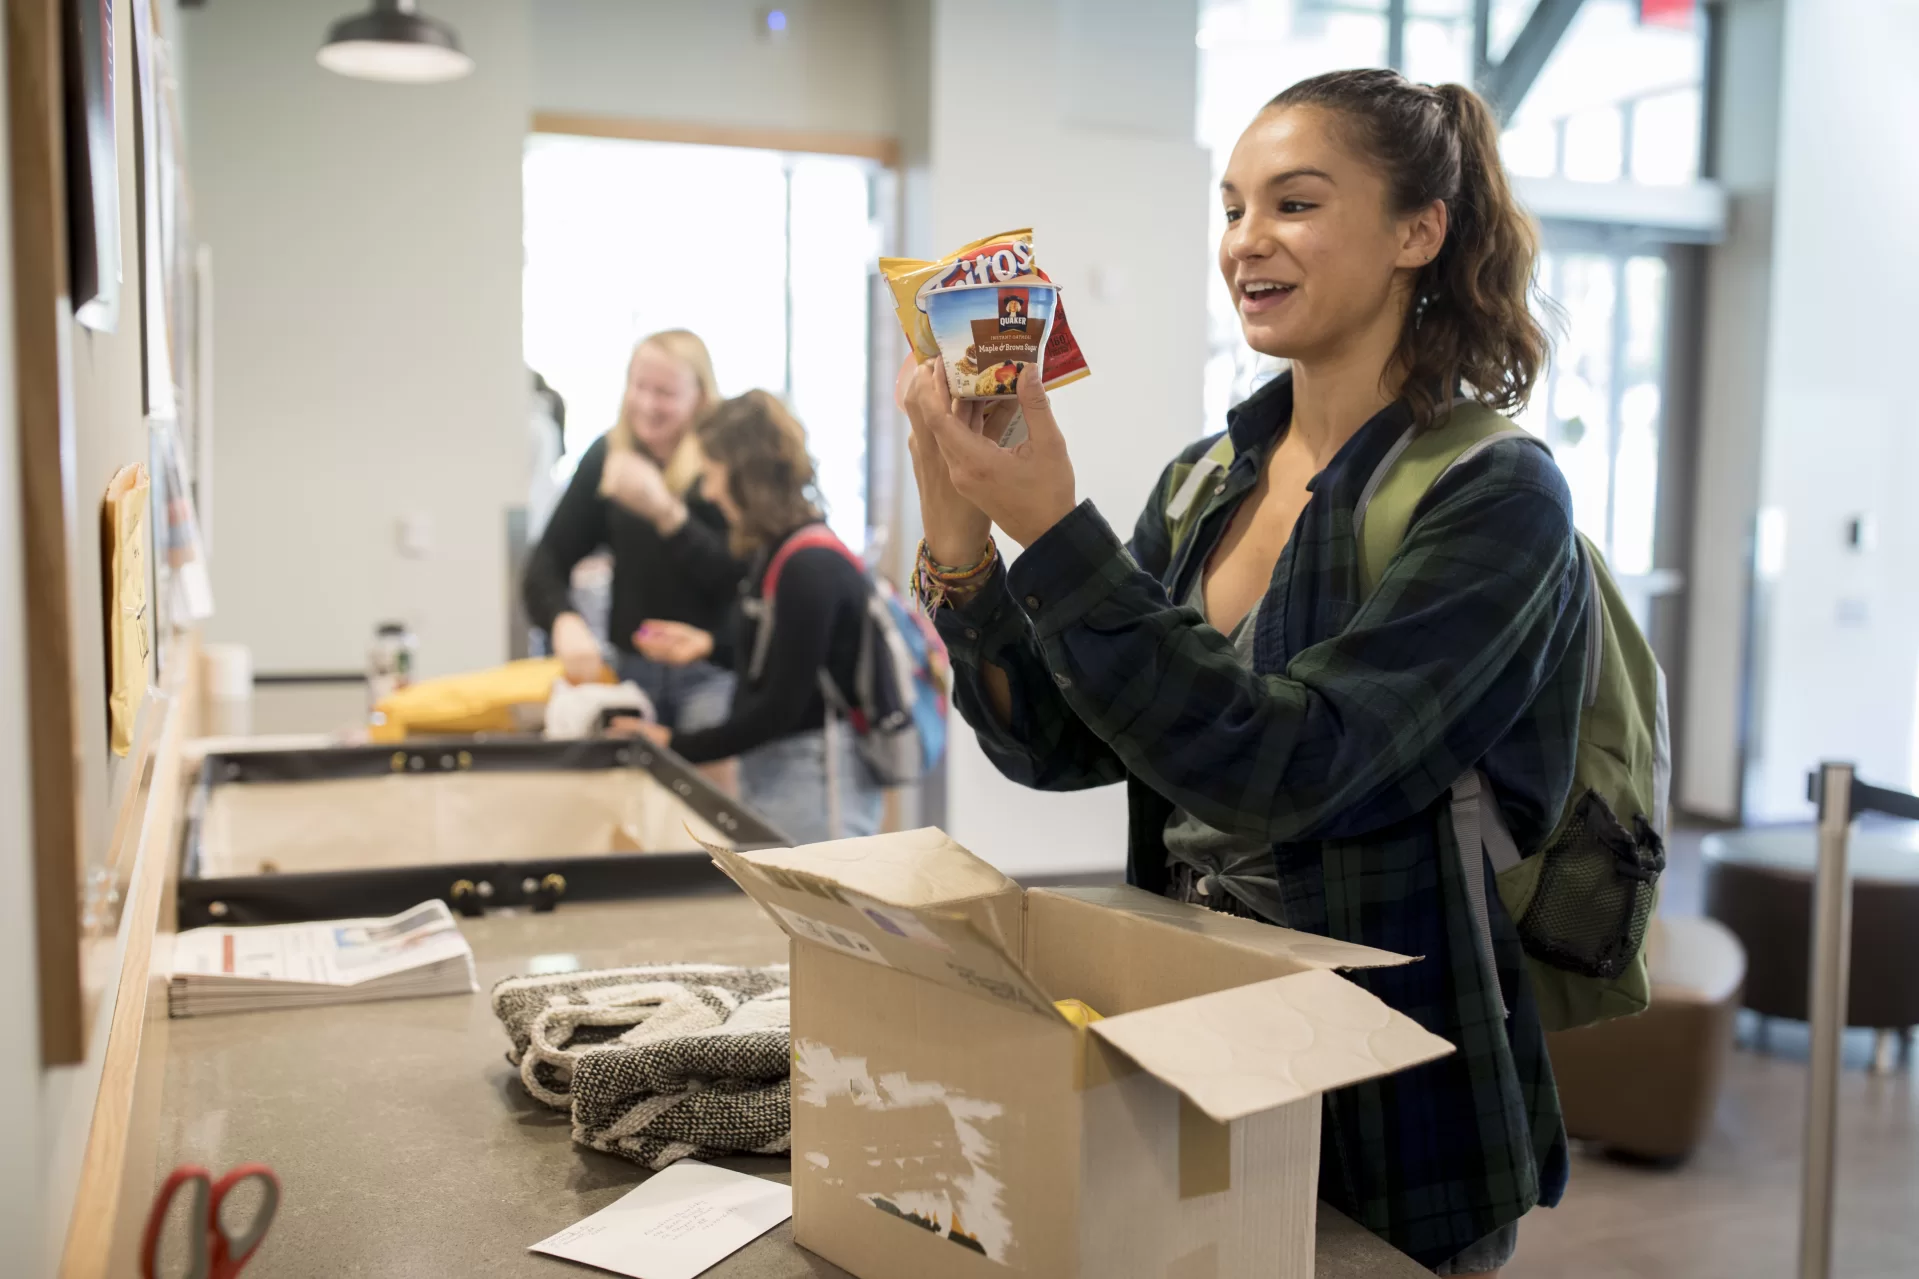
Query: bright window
[
  {"x": 1249, "y": 50},
  {"x": 1618, "y": 99},
  {"x": 766, "y": 256},
  {"x": 1599, "y": 404}
]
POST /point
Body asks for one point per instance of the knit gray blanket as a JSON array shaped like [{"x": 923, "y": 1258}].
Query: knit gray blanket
[{"x": 660, "y": 1063}]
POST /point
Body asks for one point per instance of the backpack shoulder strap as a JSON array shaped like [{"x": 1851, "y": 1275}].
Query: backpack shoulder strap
[
  {"x": 1183, "y": 508},
  {"x": 1416, "y": 462},
  {"x": 813, "y": 536},
  {"x": 808, "y": 538}
]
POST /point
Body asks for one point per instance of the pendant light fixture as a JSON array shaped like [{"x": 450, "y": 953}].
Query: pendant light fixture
[{"x": 394, "y": 42}]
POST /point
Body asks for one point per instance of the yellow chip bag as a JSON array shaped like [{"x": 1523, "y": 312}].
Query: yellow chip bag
[{"x": 991, "y": 311}]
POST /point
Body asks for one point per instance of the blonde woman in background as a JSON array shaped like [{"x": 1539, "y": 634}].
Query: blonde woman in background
[{"x": 635, "y": 493}]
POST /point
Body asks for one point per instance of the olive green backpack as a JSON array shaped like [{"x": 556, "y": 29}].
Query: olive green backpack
[{"x": 1583, "y": 901}]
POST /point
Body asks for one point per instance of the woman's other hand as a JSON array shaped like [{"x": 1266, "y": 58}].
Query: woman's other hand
[
  {"x": 659, "y": 734},
  {"x": 631, "y": 726},
  {"x": 673, "y": 643},
  {"x": 956, "y": 530},
  {"x": 635, "y": 482},
  {"x": 577, "y": 649},
  {"x": 1025, "y": 490}
]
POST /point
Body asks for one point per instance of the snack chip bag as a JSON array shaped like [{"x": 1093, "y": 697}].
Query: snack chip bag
[{"x": 991, "y": 312}]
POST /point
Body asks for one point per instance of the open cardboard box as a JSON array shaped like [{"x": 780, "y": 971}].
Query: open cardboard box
[{"x": 949, "y": 1121}]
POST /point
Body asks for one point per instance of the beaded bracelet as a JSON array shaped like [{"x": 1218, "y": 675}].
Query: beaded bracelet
[{"x": 936, "y": 585}]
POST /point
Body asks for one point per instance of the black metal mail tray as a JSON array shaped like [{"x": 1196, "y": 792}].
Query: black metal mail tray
[{"x": 279, "y": 836}]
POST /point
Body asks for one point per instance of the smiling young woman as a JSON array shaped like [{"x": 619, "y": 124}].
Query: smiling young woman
[
  {"x": 1288, "y": 737},
  {"x": 634, "y": 492}
]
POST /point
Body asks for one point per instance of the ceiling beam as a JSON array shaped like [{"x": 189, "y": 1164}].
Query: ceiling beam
[{"x": 1505, "y": 86}]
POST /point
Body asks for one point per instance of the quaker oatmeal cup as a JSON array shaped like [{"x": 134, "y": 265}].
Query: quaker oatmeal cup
[{"x": 990, "y": 334}]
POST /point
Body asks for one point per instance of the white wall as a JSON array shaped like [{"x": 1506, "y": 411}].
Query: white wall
[
  {"x": 1111, "y": 181},
  {"x": 366, "y": 244},
  {"x": 1839, "y": 659},
  {"x": 834, "y": 69}
]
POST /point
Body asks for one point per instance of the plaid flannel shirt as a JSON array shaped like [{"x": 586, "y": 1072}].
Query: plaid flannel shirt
[{"x": 1339, "y": 746}]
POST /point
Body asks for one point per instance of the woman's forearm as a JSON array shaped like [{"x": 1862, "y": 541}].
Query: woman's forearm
[
  {"x": 1363, "y": 729},
  {"x": 1004, "y": 690}
]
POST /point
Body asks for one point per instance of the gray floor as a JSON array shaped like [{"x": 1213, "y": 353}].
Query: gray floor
[{"x": 1733, "y": 1210}]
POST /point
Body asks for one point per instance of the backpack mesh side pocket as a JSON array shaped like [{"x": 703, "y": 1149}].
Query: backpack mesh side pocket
[{"x": 1597, "y": 888}]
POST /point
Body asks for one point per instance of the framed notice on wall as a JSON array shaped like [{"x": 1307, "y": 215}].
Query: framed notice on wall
[{"x": 93, "y": 163}]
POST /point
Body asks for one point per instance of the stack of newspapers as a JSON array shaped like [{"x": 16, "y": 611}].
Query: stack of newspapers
[{"x": 342, "y": 961}]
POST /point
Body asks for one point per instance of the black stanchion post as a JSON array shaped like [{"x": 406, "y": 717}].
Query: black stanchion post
[
  {"x": 1841, "y": 797},
  {"x": 1831, "y": 960}
]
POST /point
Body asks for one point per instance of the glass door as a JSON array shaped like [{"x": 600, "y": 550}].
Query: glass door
[
  {"x": 767, "y": 255},
  {"x": 1602, "y": 406}
]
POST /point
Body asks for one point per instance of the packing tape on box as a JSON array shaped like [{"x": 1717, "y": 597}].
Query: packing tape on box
[
  {"x": 1205, "y": 1153},
  {"x": 1097, "y": 1063}
]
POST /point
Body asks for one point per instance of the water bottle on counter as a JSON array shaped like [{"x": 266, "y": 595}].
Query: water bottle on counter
[
  {"x": 389, "y": 662},
  {"x": 226, "y": 684}
]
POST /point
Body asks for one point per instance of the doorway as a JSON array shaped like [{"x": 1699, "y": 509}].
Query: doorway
[{"x": 768, "y": 255}]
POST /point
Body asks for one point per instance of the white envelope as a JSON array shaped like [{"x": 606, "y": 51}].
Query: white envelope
[{"x": 677, "y": 1224}]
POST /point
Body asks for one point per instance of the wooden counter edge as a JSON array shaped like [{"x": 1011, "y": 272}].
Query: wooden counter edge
[{"x": 117, "y": 1172}]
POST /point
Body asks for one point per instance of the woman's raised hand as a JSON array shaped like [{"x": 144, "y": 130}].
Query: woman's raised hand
[
  {"x": 1025, "y": 490},
  {"x": 956, "y": 530},
  {"x": 635, "y": 482}
]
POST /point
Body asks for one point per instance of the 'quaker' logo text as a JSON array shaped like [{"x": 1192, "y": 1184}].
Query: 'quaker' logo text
[{"x": 1014, "y": 309}]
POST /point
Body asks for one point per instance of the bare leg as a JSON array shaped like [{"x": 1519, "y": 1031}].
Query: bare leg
[
  {"x": 1882, "y": 1052},
  {"x": 725, "y": 776}
]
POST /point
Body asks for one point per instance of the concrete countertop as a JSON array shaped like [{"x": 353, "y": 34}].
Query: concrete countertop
[{"x": 407, "y": 1147}]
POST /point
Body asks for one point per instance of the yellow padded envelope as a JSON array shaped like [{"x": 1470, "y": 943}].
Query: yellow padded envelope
[{"x": 124, "y": 544}]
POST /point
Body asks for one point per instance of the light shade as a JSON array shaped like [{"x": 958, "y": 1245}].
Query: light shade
[{"x": 395, "y": 43}]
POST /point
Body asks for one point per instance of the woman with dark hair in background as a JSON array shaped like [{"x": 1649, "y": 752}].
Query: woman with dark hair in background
[
  {"x": 633, "y": 493},
  {"x": 793, "y": 757},
  {"x": 1288, "y": 738}
]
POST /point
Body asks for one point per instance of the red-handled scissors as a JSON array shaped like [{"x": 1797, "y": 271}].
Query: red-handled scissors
[{"x": 214, "y": 1251}]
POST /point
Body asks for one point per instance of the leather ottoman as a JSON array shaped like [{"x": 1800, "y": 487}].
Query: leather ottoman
[{"x": 1647, "y": 1085}]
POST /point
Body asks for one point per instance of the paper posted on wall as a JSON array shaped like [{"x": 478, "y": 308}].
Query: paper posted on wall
[
  {"x": 229, "y": 970},
  {"x": 184, "y": 558}
]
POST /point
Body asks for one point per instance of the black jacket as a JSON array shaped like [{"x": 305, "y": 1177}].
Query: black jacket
[
  {"x": 689, "y": 577},
  {"x": 818, "y": 617}
]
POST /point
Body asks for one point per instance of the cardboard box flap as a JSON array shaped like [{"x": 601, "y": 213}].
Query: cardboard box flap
[
  {"x": 1237, "y": 1052},
  {"x": 1302, "y": 951},
  {"x": 912, "y": 868},
  {"x": 950, "y": 949}
]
